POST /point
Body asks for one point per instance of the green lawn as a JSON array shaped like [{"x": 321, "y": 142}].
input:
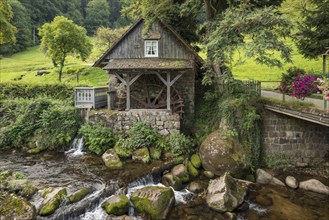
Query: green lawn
[
  {"x": 250, "y": 70},
  {"x": 25, "y": 65}
]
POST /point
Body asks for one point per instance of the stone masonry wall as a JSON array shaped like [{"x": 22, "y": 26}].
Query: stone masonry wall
[
  {"x": 295, "y": 140},
  {"x": 162, "y": 120}
]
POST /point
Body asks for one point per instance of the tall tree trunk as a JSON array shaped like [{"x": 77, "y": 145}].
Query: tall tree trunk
[{"x": 61, "y": 65}]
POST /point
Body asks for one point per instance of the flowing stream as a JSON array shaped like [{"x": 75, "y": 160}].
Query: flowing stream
[{"x": 75, "y": 169}]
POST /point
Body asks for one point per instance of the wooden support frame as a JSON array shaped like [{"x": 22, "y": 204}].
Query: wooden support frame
[{"x": 128, "y": 83}]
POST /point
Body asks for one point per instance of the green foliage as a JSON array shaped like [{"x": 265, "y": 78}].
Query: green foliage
[
  {"x": 19, "y": 176},
  {"x": 22, "y": 21},
  {"x": 97, "y": 137},
  {"x": 12, "y": 90},
  {"x": 314, "y": 30},
  {"x": 140, "y": 135},
  {"x": 7, "y": 32},
  {"x": 62, "y": 37},
  {"x": 37, "y": 123},
  {"x": 237, "y": 107},
  {"x": 277, "y": 161},
  {"x": 180, "y": 144},
  {"x": 98, "y": 14}
]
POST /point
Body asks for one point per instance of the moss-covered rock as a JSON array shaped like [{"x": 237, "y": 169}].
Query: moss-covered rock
[
  {"x": 46, "y": 191},
  {"x": 220, "y": 154},
  {"x": 111, "y": 159},
  {"x": 155, "y": 153},
  {"x": 181, "y": 172},
  {"x": 192, "y": 170},
  {"x": 141, "y": 154},
  {"x": 225, "y": 193},
  {"x": 196, "y": 161},
  {"x": 14, "y": 207},
  {"x": 52, "y": 201},
  {"x": 172, "y": 181},
  {"x": 79, "y": 195},
  {"x": 116, "y": 205},
  {"x": 154, "y": 201},
  {"x": 28, "y": 190},
  {"x": 122, "y": 152}
]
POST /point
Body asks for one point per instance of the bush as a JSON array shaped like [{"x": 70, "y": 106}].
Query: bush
[
  {"x": 38, "y": 123},
  {"x": 97, "y": 137},
  {"x": 31, "y": 91},
  {"x": 140, "y": 135},
  {"x": 179, "y": 144}
]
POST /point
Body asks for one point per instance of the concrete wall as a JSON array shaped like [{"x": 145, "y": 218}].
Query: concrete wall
[
  {"x": 295, "y": 140},
  {"x": 162, "y": 120}
]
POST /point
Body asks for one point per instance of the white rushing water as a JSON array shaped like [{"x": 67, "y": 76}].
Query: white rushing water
[
  {"x": 76, "y": 148},
  {"x": 98, "y": 213}
]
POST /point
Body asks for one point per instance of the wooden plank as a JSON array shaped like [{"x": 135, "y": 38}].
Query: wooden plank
[
  {"x": 161, "y": 78},
  {"x": 168, "y": 90},
  {"x": 135, "y": 78},
  {"x": 128, "y": 93},
  {"x": 176, "y": 78},
  {"x": 121, "y": 79}
]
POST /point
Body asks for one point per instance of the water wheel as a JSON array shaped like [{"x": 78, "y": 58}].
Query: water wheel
[{"x": 149, "y": 92}]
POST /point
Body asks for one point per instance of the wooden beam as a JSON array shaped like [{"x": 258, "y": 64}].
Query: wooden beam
[
  {"x": 128, "y": 93},
  {"x": 161, "y": 78},
  {"x": 121, "y": 79},
  {"x": 175, "y": 79},
  {"x": 135, "y": 78},
  {"x": 168, "y": 90}
]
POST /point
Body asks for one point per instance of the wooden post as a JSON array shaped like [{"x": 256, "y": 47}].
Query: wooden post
[
  {"x": 325, "y": 66},
  {"x": 128, "y": 93},
  {"x": 168, "y": 90}
]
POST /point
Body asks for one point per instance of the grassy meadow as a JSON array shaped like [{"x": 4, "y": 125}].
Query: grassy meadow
[{"x": 23, "y": 67}]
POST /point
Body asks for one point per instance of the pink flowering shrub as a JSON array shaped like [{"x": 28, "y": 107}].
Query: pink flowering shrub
[
  {"x": 323, "y": 87},
  {"x": 298, "y": 84}
]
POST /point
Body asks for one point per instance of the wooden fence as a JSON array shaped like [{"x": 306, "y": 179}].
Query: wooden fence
[{"x": 90, "y": 97}]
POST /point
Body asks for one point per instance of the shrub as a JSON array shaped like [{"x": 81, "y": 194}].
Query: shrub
[
  {"x": 179, "y": 144},
  {"x": 37, "y": 123},
  {"x": 11, "y": 90},
  {"x": 323, "y": 87},
  {"x": 98, "y": 138}
]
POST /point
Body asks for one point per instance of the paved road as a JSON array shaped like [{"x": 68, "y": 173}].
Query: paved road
[{"x": 317, "y": 102}]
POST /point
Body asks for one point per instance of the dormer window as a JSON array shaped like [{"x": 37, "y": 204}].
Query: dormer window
[{"x": 151, "y": 48}]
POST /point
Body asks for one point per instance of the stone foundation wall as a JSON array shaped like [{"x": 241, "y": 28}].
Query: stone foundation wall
[
  {"x": 162, "y": 120},
  {"x": 294, "y": 140}
]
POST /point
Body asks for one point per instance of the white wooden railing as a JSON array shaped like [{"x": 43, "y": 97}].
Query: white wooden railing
[{"x": 90, "y": 97}]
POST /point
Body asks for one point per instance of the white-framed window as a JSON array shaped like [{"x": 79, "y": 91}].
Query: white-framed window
[{"x": 151, "y": 48}]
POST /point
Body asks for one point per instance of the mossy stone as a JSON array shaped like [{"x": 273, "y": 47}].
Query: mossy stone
[
  {"x": 14, "y": 207},
  {"x": 117, "y": 205},
  {"x": 155, "y": 153},
  {"x": 155, "y": 201},
  {"x": 196, "y": 161},
  {"x": 112, "y": 160},
  {"x": 192, "y": 170},
  {"x": 79, "y": 195},
  {"x": 28, "y": 190},
  {"x": 141, "y": 154},
  {"x": 181, "y": 172},
  {"x": 122, "y": 152},
  {"x": 46, "y": 191},
  {"x": 52, "y": 201}
]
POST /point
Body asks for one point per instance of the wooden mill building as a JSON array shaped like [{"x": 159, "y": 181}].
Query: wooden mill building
[{"x": 151, "y": 71}]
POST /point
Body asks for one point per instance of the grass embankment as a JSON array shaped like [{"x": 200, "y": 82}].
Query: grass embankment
[
  {"x": 250, "y": 70},
  {"x": 23, "y": 67}
]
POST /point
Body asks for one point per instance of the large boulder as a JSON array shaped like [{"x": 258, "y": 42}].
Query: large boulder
[
  {"x": 111, "y": 159},
  {"x": 221, "y": 154},
  {"x": 117, "y": 205},
  {"x": 52, "y": 201},
  {"x": 314, "y": 186},
  {"x": 154, "y": 201},
  {"x": 14, "y": 207},
  {"x": 263, "y": 177},
  {"x": 225, "y": 193}
]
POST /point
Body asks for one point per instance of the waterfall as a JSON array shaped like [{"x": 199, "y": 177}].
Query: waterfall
[{"x": 76, "y": 147}]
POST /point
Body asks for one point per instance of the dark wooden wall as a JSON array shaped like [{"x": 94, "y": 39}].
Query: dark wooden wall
[{"x": 132, "y": 46}]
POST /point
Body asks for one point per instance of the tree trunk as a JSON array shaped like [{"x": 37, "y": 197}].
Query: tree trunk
[
  {"x": 54, "y": 62},
  {"x": 61, "y": 65}
]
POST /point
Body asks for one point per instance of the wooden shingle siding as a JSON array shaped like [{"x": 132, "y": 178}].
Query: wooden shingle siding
[{"x": 132, "y": 46}]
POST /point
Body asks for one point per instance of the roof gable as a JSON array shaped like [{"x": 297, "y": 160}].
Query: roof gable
[{"x": 131, "y": 44}]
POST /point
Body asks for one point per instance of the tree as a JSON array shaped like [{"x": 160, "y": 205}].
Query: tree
[
  {"x": 314, "y": 31},
  {"x": 7, "y": 31},
  {"x": 98, "y": 14},
  {"x": 61, "y": 38},
  {"x": 22, "y": 21}
]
